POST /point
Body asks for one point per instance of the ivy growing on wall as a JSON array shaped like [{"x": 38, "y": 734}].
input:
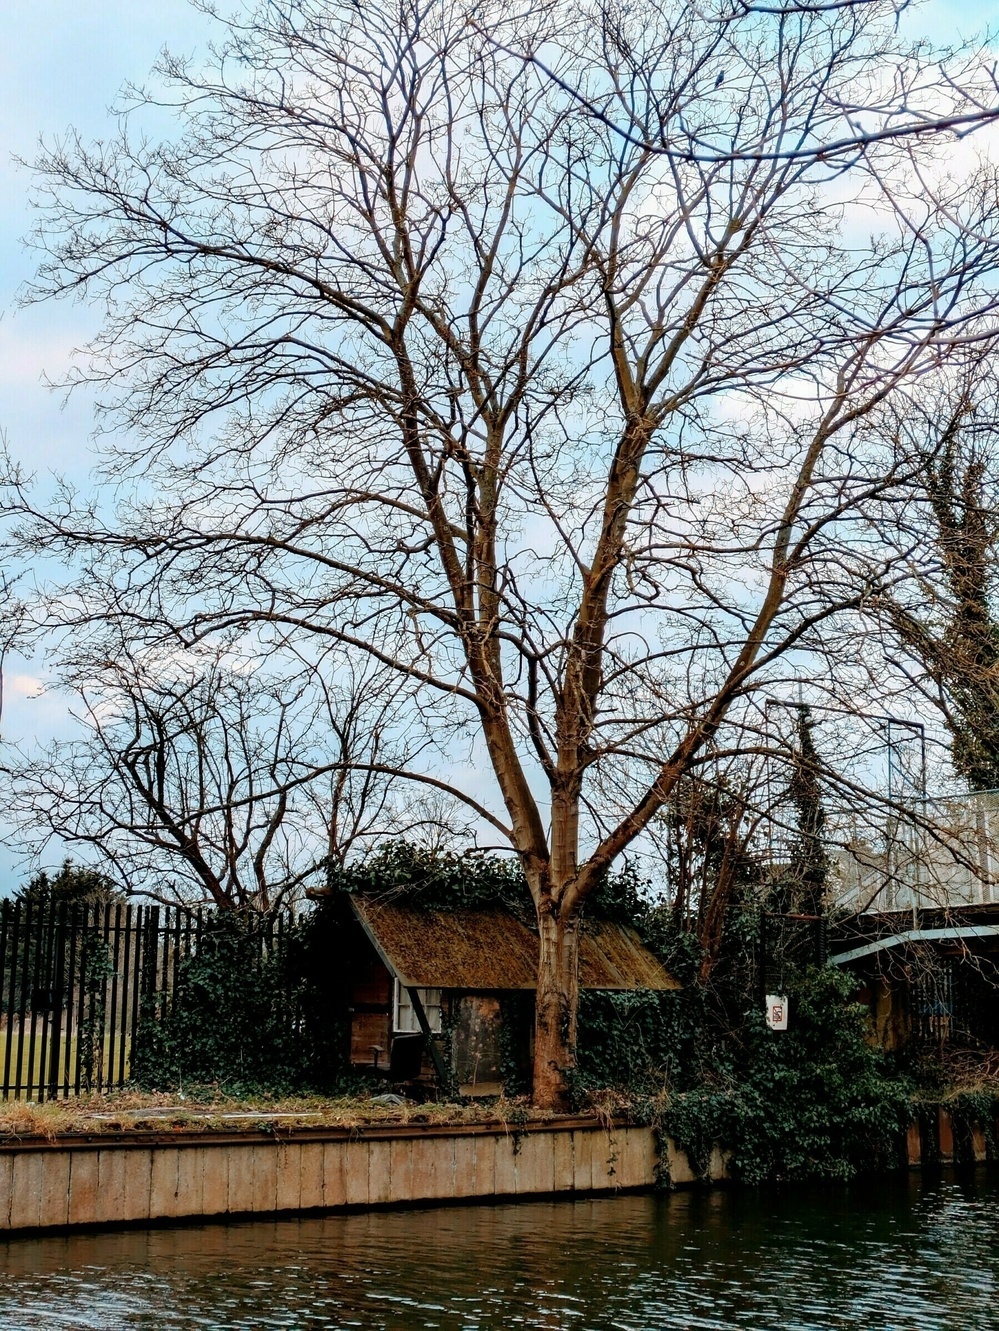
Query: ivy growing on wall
[{"x": 815, "y": 1101}]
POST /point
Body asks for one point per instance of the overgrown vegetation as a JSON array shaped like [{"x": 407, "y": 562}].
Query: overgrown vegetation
[
  {"x": 953, "y": 628},
  {"x": 251, "y": 1010},
  {"x": 436, "y": 880},
  {"x": 816, "y": 1101},
  {"x": 452, "y": 880}
]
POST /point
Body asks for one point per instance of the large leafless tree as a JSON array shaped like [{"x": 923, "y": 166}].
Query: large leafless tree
[{"x": 527, "y": 352}]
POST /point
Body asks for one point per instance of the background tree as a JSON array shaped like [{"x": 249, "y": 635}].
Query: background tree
[
  {"x": 203, "y": 778},
  {"x": 542, "y": 384},
  {"x": 712, "y": 864},
  {"x": 945, "y": 617},
  {"x": 74, "y": 884},
  {"x": 808, "y": 859}
]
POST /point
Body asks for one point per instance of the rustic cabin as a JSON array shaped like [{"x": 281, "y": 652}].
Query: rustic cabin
[{"x": 423, "y": 986}]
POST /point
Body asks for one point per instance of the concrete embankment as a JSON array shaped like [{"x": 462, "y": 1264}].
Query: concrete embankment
[{"x": 145, "y": 1178}]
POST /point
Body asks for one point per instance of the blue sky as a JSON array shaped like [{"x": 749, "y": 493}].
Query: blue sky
[{"x": 62, "y": 63}]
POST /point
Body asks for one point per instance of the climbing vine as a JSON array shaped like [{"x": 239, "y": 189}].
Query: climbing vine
[
  {"x": 815, "y": 1101},
  {"x": 252, "y": 1008}
]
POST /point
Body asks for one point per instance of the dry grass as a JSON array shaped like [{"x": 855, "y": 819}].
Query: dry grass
[
  {"x": 972, "y": 1071},
  {"x": 206, "y": 1112}
]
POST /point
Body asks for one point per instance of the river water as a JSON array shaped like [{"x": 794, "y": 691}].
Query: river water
[{"x": 901, "y": 1254}]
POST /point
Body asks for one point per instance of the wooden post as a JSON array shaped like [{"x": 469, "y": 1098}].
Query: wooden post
[
  {"x": 913, "y": 1145},
  {"x": 444, "y": 1076},
  {"x": 979, "y": 1149},
  {"x": 945, "y": 1130}
]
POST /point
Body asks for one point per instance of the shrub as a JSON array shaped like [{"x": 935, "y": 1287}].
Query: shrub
[{"x": 815, "y": 1101}]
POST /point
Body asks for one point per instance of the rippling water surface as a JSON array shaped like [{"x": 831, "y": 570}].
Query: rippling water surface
[{"x": 901, "y": 1254}]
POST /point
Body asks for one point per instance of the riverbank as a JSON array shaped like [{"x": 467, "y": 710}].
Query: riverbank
[
  {"x": 148, "y": 1159},
  {"x": 148, "y": 1177},
  {"x": 207, "y": 1110}
]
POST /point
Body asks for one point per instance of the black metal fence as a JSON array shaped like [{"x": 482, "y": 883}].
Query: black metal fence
[
  {"x": 75, "y": 981},
  {"x": 954, "y": 1000}
]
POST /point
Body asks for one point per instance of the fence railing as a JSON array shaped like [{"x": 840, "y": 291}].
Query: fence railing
[{"x": 74, "y": 982}]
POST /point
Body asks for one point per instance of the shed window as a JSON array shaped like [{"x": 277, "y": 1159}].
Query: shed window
[{"x": 406, "y": 1022}]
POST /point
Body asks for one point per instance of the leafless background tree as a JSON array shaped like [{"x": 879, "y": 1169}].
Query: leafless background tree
[
  {"x": 943, "y": 627},
  {"x": 201, "y": 777},
  {"x": 528, "y": 353}
]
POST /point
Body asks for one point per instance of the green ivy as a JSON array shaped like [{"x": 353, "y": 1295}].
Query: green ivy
[
  {"x": 437, "y": 880},
  {"x": 449, "y": 880},
  {"x": 632, "y": 1040},
  {"x": 701, "y": 1064},
  {"x": 95, "y": 969},
  {"x": 251, "y": 1009},
  {"x": 517, "y": 1018},
  {"x": 815, "y": 1101}
]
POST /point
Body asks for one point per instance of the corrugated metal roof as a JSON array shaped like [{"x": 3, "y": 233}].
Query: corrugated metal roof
[{"x": 491, "y": 949}]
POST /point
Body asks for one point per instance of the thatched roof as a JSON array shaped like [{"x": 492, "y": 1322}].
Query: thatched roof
[{"x": 490, "y": 949}]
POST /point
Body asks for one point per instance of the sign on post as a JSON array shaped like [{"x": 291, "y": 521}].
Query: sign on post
[{"x": 777, "y": 1012}]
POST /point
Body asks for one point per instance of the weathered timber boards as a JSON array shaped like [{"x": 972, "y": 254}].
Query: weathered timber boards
[{"x": 146, "y": 1178}]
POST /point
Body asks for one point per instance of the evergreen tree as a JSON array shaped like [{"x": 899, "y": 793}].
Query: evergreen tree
[
  {"x": 966, "y": 655},
  {"x": 808, "y": 861},
  {"x": 74, "y": 884}
]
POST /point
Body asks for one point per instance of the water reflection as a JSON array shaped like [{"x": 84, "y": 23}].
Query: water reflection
[{"x": 896, "y": 1255}]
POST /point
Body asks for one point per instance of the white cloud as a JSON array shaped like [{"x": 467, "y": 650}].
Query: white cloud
[{"x": 25, "y": 686}]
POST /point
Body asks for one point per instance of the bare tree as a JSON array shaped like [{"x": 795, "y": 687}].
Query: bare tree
[
  {"x": 710, "y": 841},
  {"x": 198, "y": 777},
  {"x": 540, "y": 382}
]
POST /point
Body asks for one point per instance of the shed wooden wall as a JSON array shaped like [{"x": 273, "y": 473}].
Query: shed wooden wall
[{"x": 371, "y": 999}]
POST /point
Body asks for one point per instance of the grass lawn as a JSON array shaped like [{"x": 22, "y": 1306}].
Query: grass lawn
[{"x": 36, "y": 1068}]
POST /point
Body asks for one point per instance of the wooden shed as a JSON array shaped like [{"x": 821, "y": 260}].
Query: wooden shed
[{"x": 427, "y": 985}]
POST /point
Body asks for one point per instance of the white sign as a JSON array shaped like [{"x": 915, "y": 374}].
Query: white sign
[{"x": 777, "y": 1012}]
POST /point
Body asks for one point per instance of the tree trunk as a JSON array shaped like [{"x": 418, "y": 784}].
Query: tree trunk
[
  {"x": 557, "y": 1005},
  {"x": 713, "y": 925}
]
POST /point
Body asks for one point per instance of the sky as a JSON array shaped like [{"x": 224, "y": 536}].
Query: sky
[{"x": 62, "y": 64}]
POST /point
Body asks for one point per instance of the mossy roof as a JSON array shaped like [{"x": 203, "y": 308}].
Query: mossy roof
[{"x": 490, "y": 949}]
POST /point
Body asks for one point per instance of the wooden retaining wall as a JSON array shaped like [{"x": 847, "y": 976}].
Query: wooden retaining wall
[
  {"x": 935, "y": 1138},
  {"x": 145, "y": 1178}
]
